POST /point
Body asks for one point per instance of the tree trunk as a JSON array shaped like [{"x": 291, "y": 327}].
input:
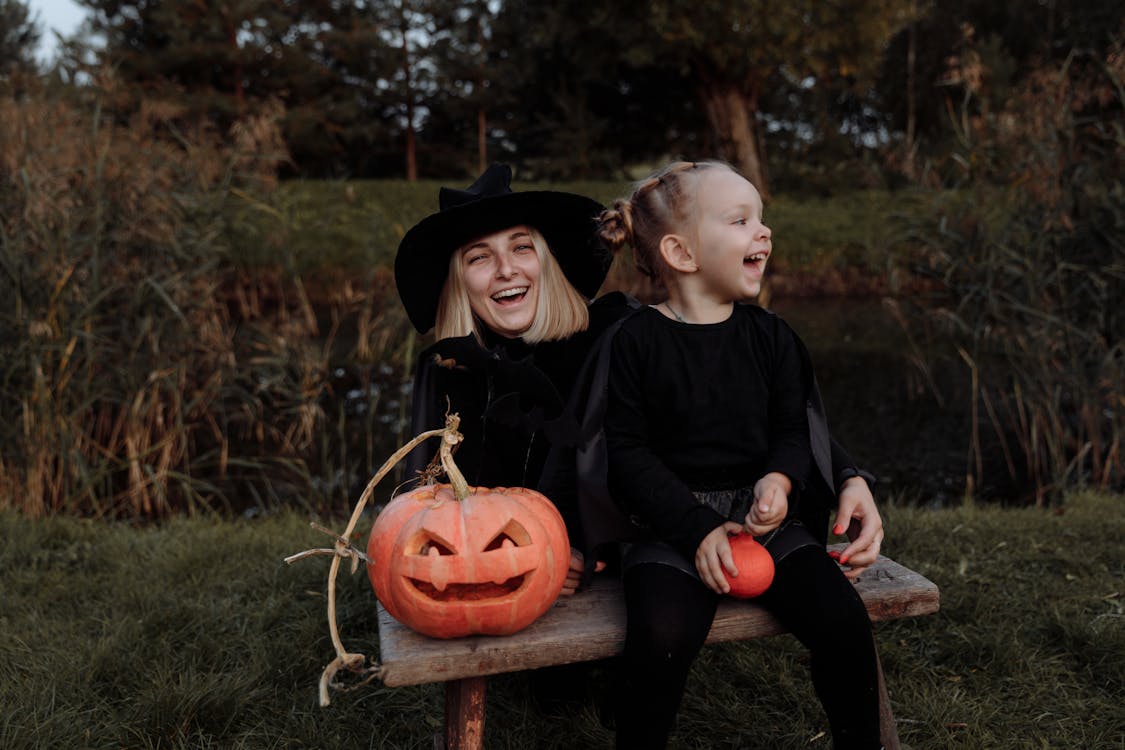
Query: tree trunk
[
  {"x": 911, "y": 114},
  {"x": 732, "y": 111},
  {"x": 411, "y": 156},
  {"x": 408, "y": 83},
  {"x": 239, "y": 93},
  {"x": 1050, "y": 28},
  {"x": 482, "y": 143}
]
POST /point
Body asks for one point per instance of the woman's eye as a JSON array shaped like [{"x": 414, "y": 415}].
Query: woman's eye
[
  {"x": 740, "y": 222},
  {"x": 524, "y": 248},
  {"x": 475, "y": 258}
]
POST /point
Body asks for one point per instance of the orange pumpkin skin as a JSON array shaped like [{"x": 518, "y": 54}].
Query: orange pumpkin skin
[
  {"x": 489, "y": 564},
  {"x": 755, "y": 567}
]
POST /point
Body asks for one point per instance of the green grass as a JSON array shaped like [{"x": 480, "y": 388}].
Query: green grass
[
  {"x": 325, "y": 226},
  {"x": 195, "y": 634}
]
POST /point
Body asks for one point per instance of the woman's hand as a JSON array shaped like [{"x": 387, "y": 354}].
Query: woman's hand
[
  {"x": 575, "y": 570},
  {"x": 771, "y": 503},
  {"x": 714, "y": 554},
  {"x": 857, "y": 516}
]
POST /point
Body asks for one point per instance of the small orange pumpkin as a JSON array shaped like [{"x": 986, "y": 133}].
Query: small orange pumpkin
[
  {"x": 755, "y": 567},
  {"x": 450, "y": 561}
]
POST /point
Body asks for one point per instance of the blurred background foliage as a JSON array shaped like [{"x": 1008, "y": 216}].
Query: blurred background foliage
[
  {"x": 804, "y": 97},
  {"x": 199, "y": 203}
]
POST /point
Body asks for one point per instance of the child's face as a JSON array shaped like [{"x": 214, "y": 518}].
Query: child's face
[
  {"x": 733, "y": 243},
  {"x": 501, "y": 273}
]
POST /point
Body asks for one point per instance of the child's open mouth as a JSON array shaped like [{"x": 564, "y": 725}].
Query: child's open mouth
[
  {"x": 510, "y": 297},
  {"x": 753, "y": 259}
]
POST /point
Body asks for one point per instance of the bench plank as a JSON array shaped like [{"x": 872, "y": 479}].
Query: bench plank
[{"x": 591, "y": 625}]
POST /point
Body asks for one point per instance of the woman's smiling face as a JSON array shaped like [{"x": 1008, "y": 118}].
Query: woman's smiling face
[{"x": 501, "y": 275}]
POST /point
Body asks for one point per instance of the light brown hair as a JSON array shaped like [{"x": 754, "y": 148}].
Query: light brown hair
[
  {"x": 560, "y": 311},
  {"x": 661, "y": 204}
]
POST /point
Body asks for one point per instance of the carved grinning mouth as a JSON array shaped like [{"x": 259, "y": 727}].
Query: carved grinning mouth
[
  {"x": 468, "y": 592},
  {"x": 465, "y": 591}
]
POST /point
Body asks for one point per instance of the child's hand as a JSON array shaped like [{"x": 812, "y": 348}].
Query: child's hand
[
  {"x": 771, "y": 503},
  {"x": 713, "y": 555}
]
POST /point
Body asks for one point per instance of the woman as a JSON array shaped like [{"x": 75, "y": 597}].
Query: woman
[{"x": 504, "y": 279}]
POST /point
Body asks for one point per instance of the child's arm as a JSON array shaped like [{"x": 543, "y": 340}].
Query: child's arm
[
  {"x": 639, "y": 480},
  {"x": 790, "y": 456}
]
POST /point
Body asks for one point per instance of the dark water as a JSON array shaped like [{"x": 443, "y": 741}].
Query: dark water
[
  {"x": 911, "y": 431},
  {"x": 908, "y": 425}
]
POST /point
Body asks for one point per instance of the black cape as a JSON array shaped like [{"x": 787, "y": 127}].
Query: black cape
[
  {"x": 531, "y": 417},
  {"x": 575, "y": 472},
  {"x": 512, "y": 398}
]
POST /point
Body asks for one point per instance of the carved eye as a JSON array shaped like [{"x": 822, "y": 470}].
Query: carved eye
[
  {"x": 434, "y": 546},
  {"x": 499, "y": 541},
  {"x": 514, "y": 534}
]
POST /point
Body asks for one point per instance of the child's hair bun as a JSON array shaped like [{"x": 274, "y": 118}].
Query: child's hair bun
[{"x": 615, "y": 225}]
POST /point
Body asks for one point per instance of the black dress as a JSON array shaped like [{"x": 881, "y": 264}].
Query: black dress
[
  {"x": 530, "y": 416},
  {"x": 707, "y": 409},
  {"x": 697, "y": 408},
  {"x": 512, "y": 399}
]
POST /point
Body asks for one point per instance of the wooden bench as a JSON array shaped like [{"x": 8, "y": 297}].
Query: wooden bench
[{"x": 591, "y": 625}]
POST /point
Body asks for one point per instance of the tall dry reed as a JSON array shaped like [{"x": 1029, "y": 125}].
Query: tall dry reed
[
  {"x": 145, "y": 373},
  {"x": 1034, "y": 275}
]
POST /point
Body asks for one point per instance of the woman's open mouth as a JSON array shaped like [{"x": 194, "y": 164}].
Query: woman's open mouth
[{"x": 510, "y": 297}]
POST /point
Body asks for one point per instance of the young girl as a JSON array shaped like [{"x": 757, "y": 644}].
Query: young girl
[{"x": 707, "y": 436}]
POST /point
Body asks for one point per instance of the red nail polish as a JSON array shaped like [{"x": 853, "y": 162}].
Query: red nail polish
[
  {"x": 837, "y": 529},
  {"x": 844, "y": 560}
]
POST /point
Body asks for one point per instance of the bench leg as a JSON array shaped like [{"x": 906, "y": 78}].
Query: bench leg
[
  {"x": 888, "y": 730},
  {"x": 464, "y": 713}
]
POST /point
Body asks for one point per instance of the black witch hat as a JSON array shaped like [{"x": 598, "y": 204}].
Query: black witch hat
[{"x": 566, "y": 220}]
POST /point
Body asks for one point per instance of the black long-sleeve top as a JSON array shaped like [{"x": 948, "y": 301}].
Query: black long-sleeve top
[
  {"x": 511, "y": 398},
  {"x": 702, "y": 407}
]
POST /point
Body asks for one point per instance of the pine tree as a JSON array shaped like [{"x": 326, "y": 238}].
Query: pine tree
[
  {"x": 19, "y": 38},
  {"x": 322, "y": 60}
]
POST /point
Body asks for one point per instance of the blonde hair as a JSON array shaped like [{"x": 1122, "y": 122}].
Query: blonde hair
[
  {"x": 560, "y": 311},
  {"x": 662, "y": 204}
]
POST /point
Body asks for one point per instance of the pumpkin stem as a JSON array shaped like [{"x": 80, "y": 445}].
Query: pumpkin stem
[
  {"x": 343, "y": 548},
  {"x": 449, "y": 438}
]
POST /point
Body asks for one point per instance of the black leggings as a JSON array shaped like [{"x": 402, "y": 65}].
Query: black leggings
[{"x": 669, "y": 614}]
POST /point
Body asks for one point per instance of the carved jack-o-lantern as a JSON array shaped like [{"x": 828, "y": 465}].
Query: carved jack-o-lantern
[{"x": 490, "y": 562}]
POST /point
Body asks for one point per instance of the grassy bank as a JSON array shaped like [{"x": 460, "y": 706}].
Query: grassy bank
[
  {"x": 355, "y": 225},
  {"x": 196, "y": 634},
  {"x": 183, "y": 339},
  {"x": 186, "y": 335}
]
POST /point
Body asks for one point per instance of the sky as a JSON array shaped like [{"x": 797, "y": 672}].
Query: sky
[{"x": 63, "y": 16}]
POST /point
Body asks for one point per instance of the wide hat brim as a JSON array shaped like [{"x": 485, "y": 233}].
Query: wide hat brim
[{"x": 567, "y": 221}]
